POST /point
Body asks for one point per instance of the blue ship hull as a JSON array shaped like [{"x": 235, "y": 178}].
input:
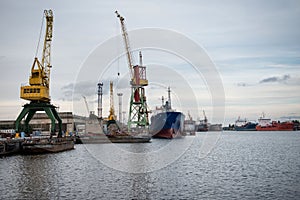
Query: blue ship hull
[
  {"x": 167, "y": 125},
  {"x": 247, "y": 127}
]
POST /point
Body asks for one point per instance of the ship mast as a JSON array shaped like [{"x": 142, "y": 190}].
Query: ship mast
[{"x": 169, "y": 99}]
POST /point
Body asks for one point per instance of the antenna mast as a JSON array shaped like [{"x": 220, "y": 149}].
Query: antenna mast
[{"x": 100, "y": 94}]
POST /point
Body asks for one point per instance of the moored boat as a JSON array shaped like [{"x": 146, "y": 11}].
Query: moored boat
[
  {"x": 244, "y": 125},
  {"x": 167, "y": 123},
  {"x": 46, "y": 144},
  {"x": 276, "y": 126},
  {"x": 100, "y": 131},
  {"x": 203, "y": 124},
  {"x": 266, "y": 124},
  {"x": 249, "y": 126},
  {"x": 10, "y": 146},
  {"x": 189, "y": 126},
  {"x": 296, "y": 125},
  {"x": 215, "y": 127}
]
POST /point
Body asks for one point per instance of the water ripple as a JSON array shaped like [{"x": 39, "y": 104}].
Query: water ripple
[{"x": 250, "y": 165}]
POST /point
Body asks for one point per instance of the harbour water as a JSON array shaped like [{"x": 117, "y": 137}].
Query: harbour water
[{"x": 242, "y": 165}]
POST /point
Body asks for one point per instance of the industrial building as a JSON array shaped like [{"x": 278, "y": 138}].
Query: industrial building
[{"x": 41, "y": 122}]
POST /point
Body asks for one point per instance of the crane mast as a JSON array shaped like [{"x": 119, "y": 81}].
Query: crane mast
[
  {"x": 138, "y": 111},
  {"x": 46, "y": 62},
  {"x": 126, "y": 43}
]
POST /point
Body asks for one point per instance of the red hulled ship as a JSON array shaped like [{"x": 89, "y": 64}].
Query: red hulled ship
[{"x": 265, "y": 124}]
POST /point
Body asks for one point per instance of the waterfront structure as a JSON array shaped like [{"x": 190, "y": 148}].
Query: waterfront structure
[{"x": 41, "y": 123}]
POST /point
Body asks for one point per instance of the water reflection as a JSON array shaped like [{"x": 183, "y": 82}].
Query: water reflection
[
  {"x": 242, "y": 166},
  {"x": 148, "y": 157},
  {"x": 141, "y": 186},
  {"x": 37, "y": 177}
]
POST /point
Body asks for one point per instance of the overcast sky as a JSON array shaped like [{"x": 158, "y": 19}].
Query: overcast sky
[{"x": 255, "y": 46}]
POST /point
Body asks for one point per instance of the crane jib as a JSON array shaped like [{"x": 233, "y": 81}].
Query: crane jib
[
  {"x": 138, "y": 114},
  {"x": 39, "y": 81}
]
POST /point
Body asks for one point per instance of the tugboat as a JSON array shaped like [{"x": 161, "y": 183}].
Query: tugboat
[{"x": 167, "y": 123}]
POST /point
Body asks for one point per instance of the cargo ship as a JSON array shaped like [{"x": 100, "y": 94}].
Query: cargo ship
[
  {"x": 244, "y": 125},
  {"x": 203, "y": 125},
  {"x": 215, "y": 127},
  {"x": 265, "y": 124},
  {"x": 166, "y": 122},
  {"x": 189, "y": 126}
]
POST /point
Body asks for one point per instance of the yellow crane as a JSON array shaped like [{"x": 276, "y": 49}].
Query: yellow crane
[
  {"x": 37, "y": 92},
  {"x": 138, "y": 112},
  {"x": 39, "y": 81},
  {"x": 112, "y": 126}
]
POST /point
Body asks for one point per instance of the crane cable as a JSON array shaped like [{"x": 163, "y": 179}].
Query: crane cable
[
  {"x": 38, "y": 44},
  {"x": 118, "y": 52}
]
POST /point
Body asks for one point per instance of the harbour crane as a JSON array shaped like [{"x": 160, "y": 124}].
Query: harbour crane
[
  {"x": 37, "y": 92},
  {"x": 112, "y": 125},
  {"x": 138, "y": 112}
]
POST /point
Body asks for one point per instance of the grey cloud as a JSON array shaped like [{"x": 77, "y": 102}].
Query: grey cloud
[
  {"x": 273, "y": 79},
  {"x": 75, "y": 91},
  {"x": 290, "y": 117},
  {"x": 242, "y": 84},
  {"x": 68, "y": 87}
]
